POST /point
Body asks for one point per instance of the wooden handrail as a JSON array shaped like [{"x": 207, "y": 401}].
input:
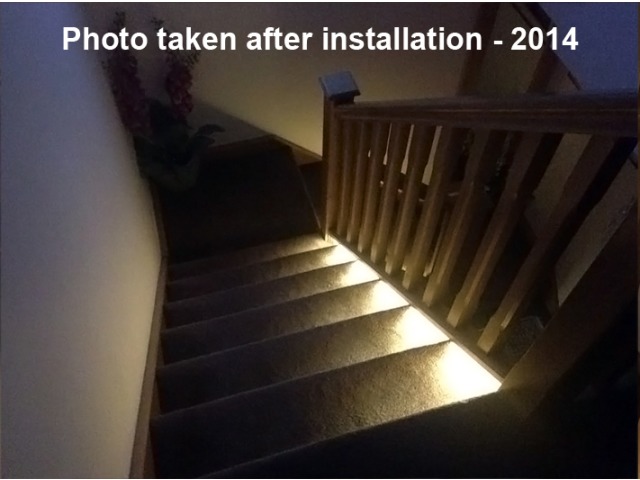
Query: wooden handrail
[
  {"x": 446, "y": 254},
  {"x": 586, "y": 113}
]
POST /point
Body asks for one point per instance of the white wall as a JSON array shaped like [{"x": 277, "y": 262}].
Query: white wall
[
  {"x": 80, "y": 257},
  {"x": 279, "y": 91}
]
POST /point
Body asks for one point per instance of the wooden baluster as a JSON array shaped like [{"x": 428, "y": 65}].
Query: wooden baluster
[
  {"x": 362, "y": 163},
  {"x": 598, "y": 165},
  {"x": 444, "y": 222},
  {"x": 397, "y": 150},
  {"x": 547, "y": 64},
  {"x": 418, "y": 157},
  {"x": 447, "y": 154},
  {"x": 378, "y": 151},
  {"x": 339, "y": 89},
  {"x": 484, "y": 155},
  {"x": 589, "y": 311},
  {"x": 531, "y": 160},
  {"x": 347, "y": 176}
]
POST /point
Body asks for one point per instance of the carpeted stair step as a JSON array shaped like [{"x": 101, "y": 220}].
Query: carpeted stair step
[
  {"x": 484, "y": 437},
  {"x": 208, "y": 437},
  {"x": 276, "y": 320},
  {"x": 281, "y": 290},
  {"x": 258, "y": 272},
  {"x": 248, "y": 256},
  {"x": 481, "y": 438},
  {"x": 218, "y": 375}
]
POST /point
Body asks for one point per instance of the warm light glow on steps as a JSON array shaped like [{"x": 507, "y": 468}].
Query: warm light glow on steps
[
  {"x": 414, "y": 330},
  {"x": 464, "y": 376},
  {"x": 460, "y": 375},
  {"x": 359, "y": 272},
  {"x": 340, "y": 254}
]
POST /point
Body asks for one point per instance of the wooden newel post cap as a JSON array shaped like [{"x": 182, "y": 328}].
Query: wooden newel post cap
[{"x": 339, "y": 87}]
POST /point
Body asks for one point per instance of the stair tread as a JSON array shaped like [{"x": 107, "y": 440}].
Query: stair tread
[
  {"x": 425, "y": 445},
  {"x": 231, "y": 331},
  {"x": 248, "y": 256},
  {"x": 258, "y": 272},
  {"x": 213, "y": 436},
  {"x": 217, "y": 375},
  {"x": 280, "y": 290}
]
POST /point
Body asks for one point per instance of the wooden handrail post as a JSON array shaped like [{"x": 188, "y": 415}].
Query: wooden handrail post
[{"x": 339, "y": 89}]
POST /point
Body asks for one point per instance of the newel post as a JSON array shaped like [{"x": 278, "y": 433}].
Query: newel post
[{"x": 339, "y": 89}]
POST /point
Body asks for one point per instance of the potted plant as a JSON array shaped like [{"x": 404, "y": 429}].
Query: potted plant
[{"x": 168, "y": 151}]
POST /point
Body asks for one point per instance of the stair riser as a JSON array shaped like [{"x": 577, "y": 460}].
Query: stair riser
[
  {"x": 278, "y": 320},
  {"x": 262, "y": 253},
  {"x": 269, "y": 293},
  {"x": 294, "y": 356},
  {"x": 257, "y": 273}
]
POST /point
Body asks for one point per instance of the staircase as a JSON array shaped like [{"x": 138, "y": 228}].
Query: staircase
[
  {"x": 288, "y": 344},
  {"x": 388, "y": 332},
  {"x": 291, "y": 355}
]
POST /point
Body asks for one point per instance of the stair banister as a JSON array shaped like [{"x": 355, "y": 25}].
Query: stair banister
[
  {"x": 585, "y": 113},
  {"x": 408, "y": 187}
]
